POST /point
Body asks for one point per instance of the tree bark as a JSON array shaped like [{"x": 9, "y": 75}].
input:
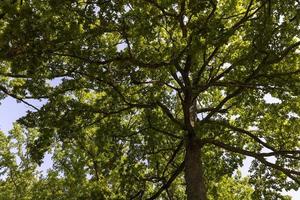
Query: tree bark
[{"x": 195, "y": 185}]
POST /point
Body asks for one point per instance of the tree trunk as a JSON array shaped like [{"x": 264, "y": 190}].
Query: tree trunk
[{"x": 195, "y": 186}]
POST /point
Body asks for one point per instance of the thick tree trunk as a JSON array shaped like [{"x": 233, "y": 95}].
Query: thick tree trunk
[
  {"x": 195, "y": 186},
  {"x": 196, "y": 189}
]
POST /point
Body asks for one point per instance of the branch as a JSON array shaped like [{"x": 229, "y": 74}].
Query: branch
[
  {"x": 274, "y": 75},
  {"x": 173, "y": 156},
  {"x": 247, "y": 15},
  {"x": 155, "y": 4},
  {"x": 199, "y": 73},
  {"x": 169, "y": 114},
  {"x": 209, "y": 109},
  {"x": 211, "y": 14},
  {"x": 169, "y": 182},
  {"x": 4, "y": 90},
  {"x": 118, "y": 58},
  {"x": 181, "y": 19},
  {"x": 258, "y": 140},
  {"x": 222, "y": 103},
  {"x": 284, "y": 53},
  {"x": 238, "y": 90},
  {"x": 246, "y": 85},
  {"x": 232, "y": 29},
  {"x": 176, "y": 78},
  {"x": 163, "y": 131},
  {"x": 11, "y": 75},
  {"x": 226, "y": 124},
  {"x": 294, "y": 175}
]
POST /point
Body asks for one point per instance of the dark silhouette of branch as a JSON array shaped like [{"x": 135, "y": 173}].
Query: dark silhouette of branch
[
  {"x": 163, "y": 131},
  {"x": 286, "y": 153},
  {"x": 294, "y": 175},
  {"x": 5, "y": 91},
  {"x": 166, "y": 110},
  {"x": 178, "y": 148},
  {"x": 169, "y": 182}
]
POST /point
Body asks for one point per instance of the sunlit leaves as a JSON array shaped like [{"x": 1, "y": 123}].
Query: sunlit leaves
[{"x": 127, "y": 84}]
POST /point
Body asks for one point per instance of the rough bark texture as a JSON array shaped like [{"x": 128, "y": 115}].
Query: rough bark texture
[{"x": 193, "y": 171}]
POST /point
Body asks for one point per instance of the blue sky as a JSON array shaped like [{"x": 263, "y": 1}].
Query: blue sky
[{"x": 10, "y": 111}]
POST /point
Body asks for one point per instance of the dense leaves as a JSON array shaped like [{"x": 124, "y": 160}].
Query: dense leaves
[{"x": 152, "y": 98}]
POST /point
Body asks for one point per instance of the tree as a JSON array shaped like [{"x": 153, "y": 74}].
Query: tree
[
  {"x": 17, "y": 172},
  {"x": 150, "y": 98},
  {"x": 231, "y": 188}
]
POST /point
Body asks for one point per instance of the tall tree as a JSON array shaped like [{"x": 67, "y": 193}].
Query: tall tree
[{"x": 149, "y": 97}]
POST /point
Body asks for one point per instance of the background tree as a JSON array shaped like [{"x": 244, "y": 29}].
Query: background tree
[{"x": 146, "y": 90}]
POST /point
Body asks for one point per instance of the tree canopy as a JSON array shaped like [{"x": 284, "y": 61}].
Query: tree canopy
[{"x": 148, "y": 99}]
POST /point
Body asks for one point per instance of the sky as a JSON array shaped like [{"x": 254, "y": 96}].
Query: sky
[{"x": 10, "y": 111}]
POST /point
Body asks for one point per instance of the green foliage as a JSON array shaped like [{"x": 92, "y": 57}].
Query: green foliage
[
  {"x": 129, "y": 85},
  {"x": 231, "y": 188}
]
